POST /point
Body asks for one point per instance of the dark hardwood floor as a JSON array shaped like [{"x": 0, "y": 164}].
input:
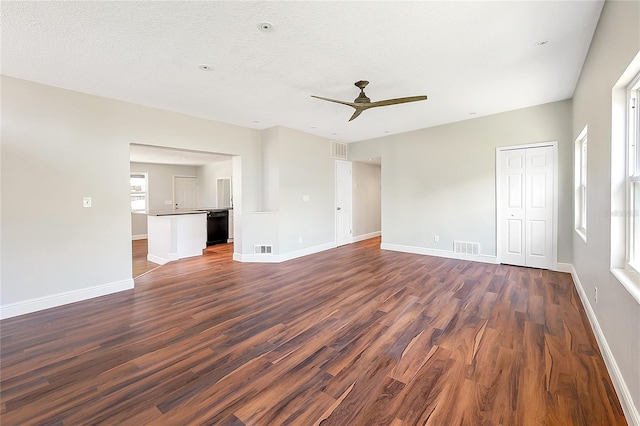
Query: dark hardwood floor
[
  {"x": 349, "y": 336},
  {"x": 141, "y": 265}
]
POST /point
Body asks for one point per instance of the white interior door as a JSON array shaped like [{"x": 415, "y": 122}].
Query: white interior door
[
  {"x": 185, "y": 192},
  {"x": 343, "y": 202},
  {"x": 527, "y": 206},
  {"x": 512, "y": 211}
]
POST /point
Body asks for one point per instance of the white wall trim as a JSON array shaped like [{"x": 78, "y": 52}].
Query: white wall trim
[
  {"x": 160, "y": 260},
  {"x": 307, "y": 251},
  {"x": 54, "y": 300},
  {"x": 139, "y": 237},
  {"x": 365, "y": 236},
  {"x": 624, "y": 395},
  {"x": 278, "y": 258},
  {"x": 256, "y": 258},
  {"x": 564, "y": 267},
  {"x": 439, "y": 253}
]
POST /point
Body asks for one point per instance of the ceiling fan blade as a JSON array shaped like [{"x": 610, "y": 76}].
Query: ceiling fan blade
[
  {"x": 357, "y": 113},
  {"x": 351, "y": 104},
  {"x": 397, "y": 101}
]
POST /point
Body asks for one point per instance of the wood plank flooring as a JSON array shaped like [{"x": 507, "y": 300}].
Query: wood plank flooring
[
  {"x": 349, "y": 336},
  {"x": 141, "y": 265}
]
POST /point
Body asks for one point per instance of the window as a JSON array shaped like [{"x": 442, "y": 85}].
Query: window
[
  {"x": 633, "y": 175},
  {"x": 581, "y": 184},
  {"x": 138, "y": 182}
]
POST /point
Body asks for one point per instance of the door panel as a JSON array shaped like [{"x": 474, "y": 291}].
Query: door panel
[
  {"x": 514, "y": 201},
  {"x": 537, "y": 246},
  {"x": 514, "y": 246}
]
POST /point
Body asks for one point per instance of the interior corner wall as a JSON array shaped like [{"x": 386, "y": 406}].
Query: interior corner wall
[
  {"x": 441, "y": 180},
  {"x": 59, "y": 146},
  {"x": 306, "y": 193},
  {"x": 366, "y": 199},
  {"x": 615, "y": 43},
  {"x": 208, "y": 176}
]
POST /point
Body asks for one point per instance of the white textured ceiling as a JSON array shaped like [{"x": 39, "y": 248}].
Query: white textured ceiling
[{"x": 476, "y": 57}]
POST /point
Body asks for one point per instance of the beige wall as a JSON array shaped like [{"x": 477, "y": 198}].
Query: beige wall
[
  {"x": 59, "y": 146},
  {"x": 441, "y": 180},
  {"x": 616, "y": 314},
  {"x": 208, "y": 176}
]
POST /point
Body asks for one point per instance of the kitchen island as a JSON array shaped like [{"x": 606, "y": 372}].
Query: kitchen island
[{"x": 176, "y": 234}]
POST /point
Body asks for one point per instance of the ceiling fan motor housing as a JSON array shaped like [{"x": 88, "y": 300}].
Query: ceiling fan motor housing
[{"x": 362, "y": 98}]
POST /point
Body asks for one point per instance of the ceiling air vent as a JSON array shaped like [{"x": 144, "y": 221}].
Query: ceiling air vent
[
  {"x": 263, "y": 249},
  {"x": 338, "y": 150},
  {"x": 466, "y": 247}
]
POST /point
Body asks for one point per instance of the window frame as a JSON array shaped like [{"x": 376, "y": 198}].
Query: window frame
[
  {"x": 581, "y": 156},
  {"x": 144, "y": 193},
  {"x": 632, "y": 177}
]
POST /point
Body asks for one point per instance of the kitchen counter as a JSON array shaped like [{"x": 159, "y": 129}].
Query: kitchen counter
[{"x": 174, "y": 212}]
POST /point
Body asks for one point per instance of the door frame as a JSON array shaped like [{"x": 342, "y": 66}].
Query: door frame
[{"x": 499, "y": 218}]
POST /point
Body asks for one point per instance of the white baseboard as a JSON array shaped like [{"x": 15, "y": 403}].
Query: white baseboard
[
  {"x": 564, "y": 267},
  {"x": 160, "y": 260},
  {"x": 139, "y": 237},
  {"x": 365, "y": 236},
  {"x": 439, "y": 253},
  {"x": 307, "y": 251},
  {"x": 278, "y": 258},
  {"x": 54, "y": 300},
  {"x": 256, "y": 258},
  {"x": 624, "y": 395}
]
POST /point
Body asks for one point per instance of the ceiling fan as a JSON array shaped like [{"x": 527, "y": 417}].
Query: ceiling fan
[{"x": 362, "y": 102}]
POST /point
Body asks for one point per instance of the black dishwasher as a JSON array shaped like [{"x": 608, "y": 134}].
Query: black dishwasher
[{"x": 217, "y": 226}]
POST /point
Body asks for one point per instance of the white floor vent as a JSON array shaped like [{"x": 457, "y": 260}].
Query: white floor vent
[
  {"x": 263, "y": 249},
  {"x": 466, "y": 247},
  {"x": 338, "y": 150}
]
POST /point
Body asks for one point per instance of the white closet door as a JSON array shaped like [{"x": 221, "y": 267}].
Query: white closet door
[
  {"x": 512, "y": 179},
  {"x": 539, "y": 207},
  {"x": 526, "y": 210}
]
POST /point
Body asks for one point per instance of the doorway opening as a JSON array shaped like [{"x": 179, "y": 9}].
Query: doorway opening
[{"x": 180, "y": 179}]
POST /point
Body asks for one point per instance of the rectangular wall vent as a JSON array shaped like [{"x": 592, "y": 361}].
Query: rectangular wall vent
[
  {"x": 263, "y": 249},
  {"x": 338, "y": 150},
  {"x": 466, "y": 247}
]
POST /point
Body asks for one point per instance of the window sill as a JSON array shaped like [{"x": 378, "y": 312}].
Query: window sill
[{"x": 630, "y": 280}]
